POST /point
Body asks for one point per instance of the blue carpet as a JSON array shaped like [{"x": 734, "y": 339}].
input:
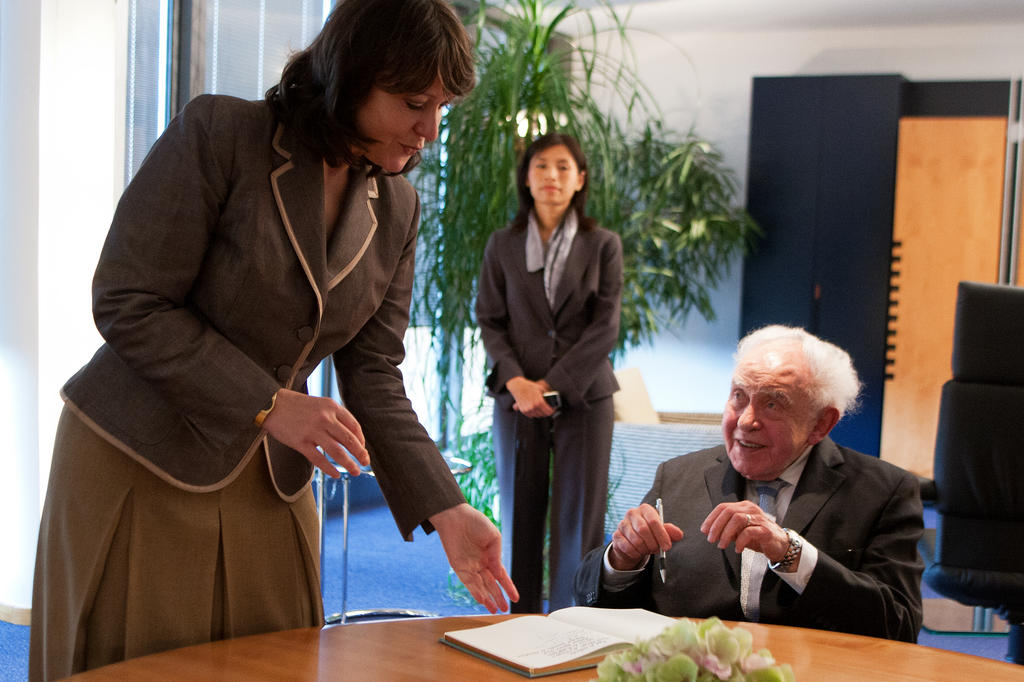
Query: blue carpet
[
  {"x": 13, "y": 652},
  {"x": 386, "y": 572}
]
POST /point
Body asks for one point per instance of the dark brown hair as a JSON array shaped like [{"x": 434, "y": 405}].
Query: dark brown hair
[
  {"x": 400, "y": 46},
  {"x": 579, "y": 200}
]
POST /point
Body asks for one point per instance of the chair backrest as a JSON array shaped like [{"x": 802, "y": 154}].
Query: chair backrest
[
  {"x": 631, "y": 402},
  {"x": 988, "y": 336},
  {"x": 979, "y": 462}
]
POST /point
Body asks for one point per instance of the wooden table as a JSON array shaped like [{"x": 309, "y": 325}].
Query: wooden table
[{"x": 409, "y": 650}]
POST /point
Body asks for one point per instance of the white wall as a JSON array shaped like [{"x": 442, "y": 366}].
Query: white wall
[
  {"x": 81, "y": 114},
  {"x": 19, "y": 356},
  {"x": 61, "y": 113},
  {"x": 703, "y": 78}
]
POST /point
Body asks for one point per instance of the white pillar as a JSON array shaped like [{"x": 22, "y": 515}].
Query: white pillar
[
  {"x": 19, "y": 350},
  {"x": 61, "y": 131}
]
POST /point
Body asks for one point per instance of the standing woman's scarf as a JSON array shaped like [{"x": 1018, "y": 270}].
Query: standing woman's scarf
[{"x": 552, "y": 258}]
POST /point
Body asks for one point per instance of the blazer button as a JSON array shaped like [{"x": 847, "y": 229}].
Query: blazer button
[
  {"x": 551, "y": 333},
  {"x": 284, "y": 372},
  {"x": 304, "y": 333}
]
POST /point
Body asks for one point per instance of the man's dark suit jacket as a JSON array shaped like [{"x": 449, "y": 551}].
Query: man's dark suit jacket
[{"x": 862, "y": 514}]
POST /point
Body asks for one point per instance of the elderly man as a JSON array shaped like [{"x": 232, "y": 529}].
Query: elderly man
[{"x": 779, "y": 524}]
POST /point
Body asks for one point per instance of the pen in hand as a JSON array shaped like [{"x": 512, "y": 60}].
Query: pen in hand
[{"x": 661, "y": 554}]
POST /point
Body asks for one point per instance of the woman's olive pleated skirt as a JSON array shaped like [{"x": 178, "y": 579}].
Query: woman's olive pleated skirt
[{"x": 128, "y": 564}]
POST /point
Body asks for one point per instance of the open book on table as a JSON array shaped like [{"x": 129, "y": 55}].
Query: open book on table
[{"x": 568, "y": 639}]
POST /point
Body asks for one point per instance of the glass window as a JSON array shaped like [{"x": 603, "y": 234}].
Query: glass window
[
  {"x": 146, "y": 103},
  {"x": 178, "y": 49},
  {"x": 247, "y": 42}
]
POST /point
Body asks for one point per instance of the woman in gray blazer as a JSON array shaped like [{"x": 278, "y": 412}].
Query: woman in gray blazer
[
  {"x": 256, "y": 239},
  {"x": 548, "y": 309}
]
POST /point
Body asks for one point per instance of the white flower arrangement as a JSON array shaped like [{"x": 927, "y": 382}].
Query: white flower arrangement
[{"x": 692, "y": 651}]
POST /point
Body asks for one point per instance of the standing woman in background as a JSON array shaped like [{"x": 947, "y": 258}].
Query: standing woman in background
[
  {"x": 256, "y": 239},
  {"x": 548, "y": 309}
]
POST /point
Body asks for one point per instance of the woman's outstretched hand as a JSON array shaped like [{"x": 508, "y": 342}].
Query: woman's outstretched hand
[
  {"x": 473, "y": 547},
  {"x": 309, "y": 424}
]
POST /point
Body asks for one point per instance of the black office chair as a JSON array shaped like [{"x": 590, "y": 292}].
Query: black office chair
[{"x": 976, "y": 554}]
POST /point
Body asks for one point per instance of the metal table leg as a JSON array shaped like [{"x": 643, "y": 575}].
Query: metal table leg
[
  {"x": 458, "y": 466},
  {"x": 344, "y": 616}
]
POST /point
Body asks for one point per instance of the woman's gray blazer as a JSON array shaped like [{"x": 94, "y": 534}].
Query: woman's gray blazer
[{"x": 216, "y": 287}]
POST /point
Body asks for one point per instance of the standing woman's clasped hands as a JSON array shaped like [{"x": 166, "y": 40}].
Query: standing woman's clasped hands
[{"x": 529, "y": 397}]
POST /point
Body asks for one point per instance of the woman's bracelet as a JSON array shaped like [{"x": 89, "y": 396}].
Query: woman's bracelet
[{"x": 263, "y": 414}]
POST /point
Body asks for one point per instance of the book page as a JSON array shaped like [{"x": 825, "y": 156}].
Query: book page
[
  {"x": 535, "y": 641},
  {"x": 627, "y": 625}
]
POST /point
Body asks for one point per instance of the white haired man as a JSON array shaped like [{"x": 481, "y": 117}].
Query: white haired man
[{"x": 779, "y": 524}]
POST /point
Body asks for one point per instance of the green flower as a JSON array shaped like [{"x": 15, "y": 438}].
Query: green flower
[
  {"x": 679, "y": 668},
  {"x": 688, "y": 651},
  {"x": 679, "y": 637}
]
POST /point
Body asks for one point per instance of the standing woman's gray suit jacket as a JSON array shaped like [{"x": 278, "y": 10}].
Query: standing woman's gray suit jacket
[
  {"x": 567, "y": 344},
  {"x": 216, "y": 287}
]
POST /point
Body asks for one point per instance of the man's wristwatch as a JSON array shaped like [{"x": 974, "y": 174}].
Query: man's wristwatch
[{"x": 792, "y": 554}]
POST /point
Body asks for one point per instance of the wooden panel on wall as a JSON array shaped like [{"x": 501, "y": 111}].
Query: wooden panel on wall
[
  {"x": 1020, "y": 255},
  {"x": 949, "y": 187}
]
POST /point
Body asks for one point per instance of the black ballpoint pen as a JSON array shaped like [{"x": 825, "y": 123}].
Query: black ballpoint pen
[{"x": 661, "y": 555}]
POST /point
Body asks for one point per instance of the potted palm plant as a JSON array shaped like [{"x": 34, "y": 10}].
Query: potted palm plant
[{"x": 668, "y": 194}]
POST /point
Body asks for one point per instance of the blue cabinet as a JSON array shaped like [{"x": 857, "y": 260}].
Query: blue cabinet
[{"x": 821, "y": 184}]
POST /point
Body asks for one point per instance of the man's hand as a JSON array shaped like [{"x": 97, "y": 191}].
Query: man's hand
[
  {"x": 639, "y": 534},
  {"x": 747, "y": 526},
  {"x": 473, "y": 547},
  {"x": 529, "y": 396},
  {"x": 304, "y": 422}
]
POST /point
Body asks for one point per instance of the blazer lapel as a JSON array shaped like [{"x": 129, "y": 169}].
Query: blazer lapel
[
  {"x": 817, "y": 484},
  {"x": 537, "y": 299},
  {"x": 356, "y": 226},
  {"x": 298, "y": 190},
  {"x": 724, "y": 484},
  {"x": 575, "y": 265}
]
